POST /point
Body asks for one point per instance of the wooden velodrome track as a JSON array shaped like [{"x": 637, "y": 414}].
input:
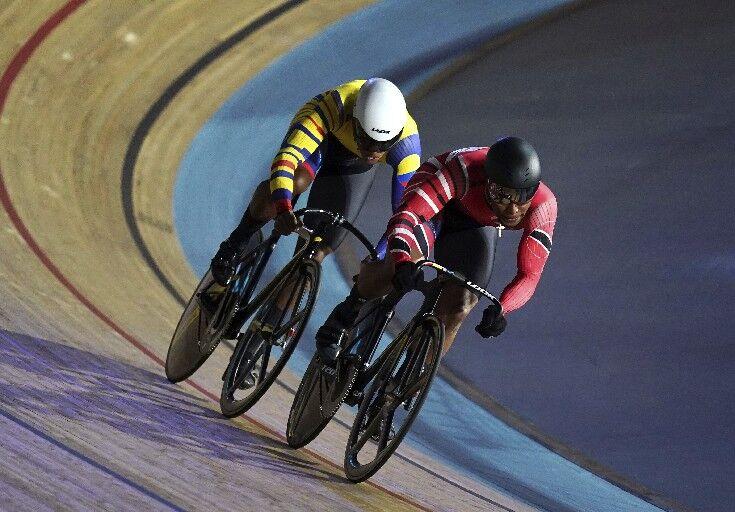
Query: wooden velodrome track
[{"x": 87, "y": 419}]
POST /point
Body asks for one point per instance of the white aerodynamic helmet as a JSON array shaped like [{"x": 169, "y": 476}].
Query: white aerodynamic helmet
[{"x": 380, "y": 110}]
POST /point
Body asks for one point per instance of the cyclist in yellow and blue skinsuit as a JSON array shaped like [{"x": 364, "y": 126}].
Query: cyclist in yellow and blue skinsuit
[{"x": 334, "y": 141}]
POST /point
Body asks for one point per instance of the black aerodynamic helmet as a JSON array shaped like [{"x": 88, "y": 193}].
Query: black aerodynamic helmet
[{"x": 513, "y": 163}]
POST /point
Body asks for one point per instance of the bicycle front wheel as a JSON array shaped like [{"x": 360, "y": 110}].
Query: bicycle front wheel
[
  {"x": 270, "y": 339},
  {"x": 394, "y": 398}
]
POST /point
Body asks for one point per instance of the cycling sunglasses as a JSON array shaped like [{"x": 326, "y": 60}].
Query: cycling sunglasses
[
  {"x": 366, "y": 143},
  {"x": 495, "y": 193}
]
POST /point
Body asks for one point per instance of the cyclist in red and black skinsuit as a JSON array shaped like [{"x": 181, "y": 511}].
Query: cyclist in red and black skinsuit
[{"x": 457, "y": 203}]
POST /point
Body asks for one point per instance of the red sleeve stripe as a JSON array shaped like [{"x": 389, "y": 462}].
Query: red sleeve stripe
[
  {"x": 413, "y": 216},
  {"x": 422, "y": 172},
  {"x": 403, "y": 231},
  {"x": 401, "y": 222},
  {"x": 445, "y": 184},
  {"x": 399, "y": 256},
  {"x": 306, "y": 165},
  {"x": 318, "y": 128},
  {"x": 410, "y": 188},
  {"x": 283, "y": 205},
  {"x": 400, "y": 243},
  {"x": 436, "y": 193},
  {"x": 283, "y": 163}
]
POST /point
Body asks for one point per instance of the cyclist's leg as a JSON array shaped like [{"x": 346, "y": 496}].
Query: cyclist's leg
[
  {"x": 341, "y": 186},
  {"x": 259, "y": 211},
  {"x": 475, "y": 262},
  {"x": 374, "y": 280}
]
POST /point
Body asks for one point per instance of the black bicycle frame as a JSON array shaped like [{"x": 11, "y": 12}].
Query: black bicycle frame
[
  {"x": 384, "y": 310},
  {"x": 314, "y": 240}
]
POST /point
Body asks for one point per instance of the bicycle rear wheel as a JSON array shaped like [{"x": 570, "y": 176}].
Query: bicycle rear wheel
[
  {"x": 322, "y": 390},
  {"x": 394, "y": 398},
  {"x": 200, "y": 328},
  {"x": 269, "y": 340},
  {"x": 305, "y": 420}
]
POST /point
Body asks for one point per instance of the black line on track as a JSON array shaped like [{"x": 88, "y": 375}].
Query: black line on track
[{"x": 145, "y": 125}]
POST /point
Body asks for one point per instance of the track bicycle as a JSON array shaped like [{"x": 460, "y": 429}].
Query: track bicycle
[
  {"x": 389, "y": 389},
  {"x": 278, "y": 316}
]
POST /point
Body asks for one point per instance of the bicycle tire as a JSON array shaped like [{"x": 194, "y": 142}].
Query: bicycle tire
[
  {"x": 308, "y": 271},
  {"x": 429, "y": 331}
]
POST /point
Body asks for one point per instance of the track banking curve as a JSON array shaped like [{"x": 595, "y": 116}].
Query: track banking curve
[
  {"x": 81, "y": 375},
  {"x": 16, "y": 345},
  {"x": 87, "y": 382},
  {"x": 245, "y": 127}
]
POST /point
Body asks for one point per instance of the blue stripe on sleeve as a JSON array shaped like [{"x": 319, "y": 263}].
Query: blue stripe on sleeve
[
  {"x": 303, "y": 151},
  {"x": 404, "y": 147},
  {"x": 340, "y": 106},
  {"x": 315, "y": 159},
  {"x": 307, "y": 132},
  {"x": 403, "y": 179},
  {"x": 411, "y": 145},
  {"x": 281, "y": 193},
  {"x": 282, "y": 174},
  {"x": 325, "y": 118}
]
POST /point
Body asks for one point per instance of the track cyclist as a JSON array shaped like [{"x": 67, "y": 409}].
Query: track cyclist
[
  {"x": 457, "y": 203},
  {"x": 334, "y": 141}
]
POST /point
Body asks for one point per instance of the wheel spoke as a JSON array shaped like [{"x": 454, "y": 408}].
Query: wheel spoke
[
  {"x": 285, "y": 327},
  {"x": 244, "y": 369},
  {"x": 264, "y": 363},
  {"x": 385, "y": 425},
  {"x": 365, "y": 435},
  {"x": 271, "y": 320},
  {"x": 413, "y": 388}
]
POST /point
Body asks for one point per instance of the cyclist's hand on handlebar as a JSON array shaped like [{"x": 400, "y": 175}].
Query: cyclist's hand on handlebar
[
  {"x": 407, "y": 275},
  {"x": 493, "y": 322},
  {"x": 286, "y": 223}
]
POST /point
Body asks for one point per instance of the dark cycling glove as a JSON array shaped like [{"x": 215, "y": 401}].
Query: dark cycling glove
[
  {"x": 286, "y": 223},
  {"x": 407, "y": 275},
  {"x": 493, "y": 322}
]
